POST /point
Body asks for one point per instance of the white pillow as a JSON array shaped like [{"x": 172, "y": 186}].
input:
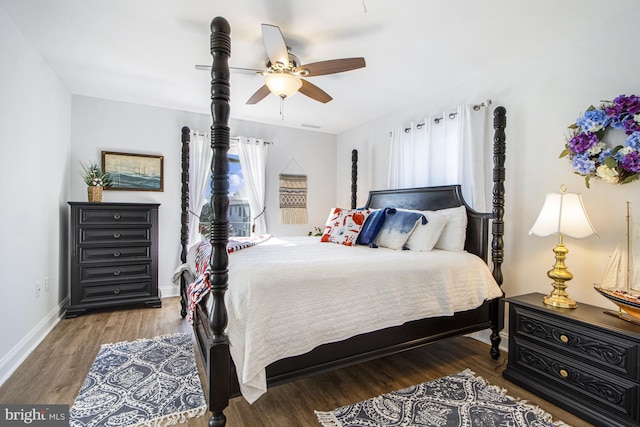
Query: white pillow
[
  {"x": 454, "y": 235},
  {"x": 424, "y": 237}
]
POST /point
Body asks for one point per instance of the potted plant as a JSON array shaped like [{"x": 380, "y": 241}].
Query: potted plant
[{"x": 96, "y": 180}]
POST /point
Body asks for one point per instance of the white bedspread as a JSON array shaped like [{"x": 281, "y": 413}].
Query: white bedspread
[{"x": 288, "y": 296}]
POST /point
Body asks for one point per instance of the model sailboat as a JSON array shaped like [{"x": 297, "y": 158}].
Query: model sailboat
[{"x": 621, "y": 280}]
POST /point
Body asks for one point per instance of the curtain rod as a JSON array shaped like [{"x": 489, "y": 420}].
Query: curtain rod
[
  {"x": 237, "y": 138},
  {"x": 476, "y": 107}
]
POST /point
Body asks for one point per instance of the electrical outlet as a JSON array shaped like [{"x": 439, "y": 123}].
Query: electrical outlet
[
  {"x": 46, "y": 284},
  {"x": 38, "y": 287}
]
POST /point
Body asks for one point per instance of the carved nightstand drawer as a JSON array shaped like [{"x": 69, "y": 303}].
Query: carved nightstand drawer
[
  {"x": 577, "y": 379},
  {"x": 579, "y": 359},
  {"x": 611, "y": 353}
]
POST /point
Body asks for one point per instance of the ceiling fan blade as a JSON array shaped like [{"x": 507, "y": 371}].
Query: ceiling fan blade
[
  {"x": 275, "y": 45},
  {"x": 331, "y": 66},
  {"x": 252, "y": 71},
  {"x": 314, "y": 92},
  {"x": 233, "y": 69},
  {"x": 259, "y": 95}
]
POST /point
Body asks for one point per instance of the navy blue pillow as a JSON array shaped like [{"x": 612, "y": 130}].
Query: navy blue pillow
[{"x": 371, "y": 227}]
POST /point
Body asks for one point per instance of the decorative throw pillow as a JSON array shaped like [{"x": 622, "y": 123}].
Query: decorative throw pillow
[
  {"x": 425, "y": 236},
  {"x": 397, "y": 228},
  {"x": 343, "y": 226},
  {"x": 454, "y": 235},
  {"x": 371, "y": 227}
]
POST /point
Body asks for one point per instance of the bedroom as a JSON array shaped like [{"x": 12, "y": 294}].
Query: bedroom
[{"x": 544, "y": 92}]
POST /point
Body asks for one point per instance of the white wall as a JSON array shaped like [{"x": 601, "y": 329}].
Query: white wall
[
  {"x": 35, "y": 117},
  {"x": 301, "y": 152},
  {"x": 542, "y": 97},
  {"x": 103, "y": 125}
]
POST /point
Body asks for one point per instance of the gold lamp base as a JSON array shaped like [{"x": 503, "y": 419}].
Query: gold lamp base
[{"x": 559, "y": 274}]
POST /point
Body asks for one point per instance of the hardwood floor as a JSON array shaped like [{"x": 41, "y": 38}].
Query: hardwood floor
[{"x": 55, "y": 371}]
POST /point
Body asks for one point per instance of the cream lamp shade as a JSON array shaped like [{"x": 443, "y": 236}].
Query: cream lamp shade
[
  {"x": 564, "y": 214},
  {"x": 283, "y": 84}
]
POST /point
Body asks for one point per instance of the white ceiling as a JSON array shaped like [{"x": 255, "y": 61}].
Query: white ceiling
[{"x": 144, "y": 51}]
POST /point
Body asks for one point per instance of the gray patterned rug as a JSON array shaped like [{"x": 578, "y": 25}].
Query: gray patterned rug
[
  {"x": 148, "y": 382},
  {"x": 462, "y": 399}
]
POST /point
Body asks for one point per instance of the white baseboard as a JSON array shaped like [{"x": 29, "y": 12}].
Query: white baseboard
[
  {"x": 12, "y": 360},
  {"x": 169, "y": 291}
]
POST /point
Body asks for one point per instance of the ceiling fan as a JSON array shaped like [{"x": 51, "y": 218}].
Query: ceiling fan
[{"x": 283, "y": 70}]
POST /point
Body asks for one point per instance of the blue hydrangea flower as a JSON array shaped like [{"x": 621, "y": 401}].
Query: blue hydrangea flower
[
  {"x": 617, "y": 124},
  {"x": 593, "y": 121},
  {"x": 603, "y": 155},
  {"x": 633, "y": 140},
  {"x": 582, "y": 164}
]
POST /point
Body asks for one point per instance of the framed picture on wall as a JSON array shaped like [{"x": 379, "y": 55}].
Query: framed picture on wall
[{"x": 134, "y": 172}]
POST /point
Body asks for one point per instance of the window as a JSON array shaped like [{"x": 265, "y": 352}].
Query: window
[{"x": 239, "y": 211}]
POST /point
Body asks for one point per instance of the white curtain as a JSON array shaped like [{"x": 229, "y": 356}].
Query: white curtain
[
  {"x": 253, "y": 158},
  {"x": 200, "y": 155},
  {"x": 448, "y": 149},
  {"x": 475, "y": 170}
]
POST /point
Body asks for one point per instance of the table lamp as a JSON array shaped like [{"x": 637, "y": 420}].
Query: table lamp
[{"x": 562, "y": 214}]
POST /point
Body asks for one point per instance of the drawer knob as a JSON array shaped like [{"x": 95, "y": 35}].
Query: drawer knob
[
  {"x": 564, "y": 338},
  {"x": 116, "y": 235},
  {"x": 116, "y": 254},
  {"x": 116, "y": 291},
  {"x": 116, "y": 216},
  {"x": 116, "y": 273},
  {"x": 563, "y": 373}
]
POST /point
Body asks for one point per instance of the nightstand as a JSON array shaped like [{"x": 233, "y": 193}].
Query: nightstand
[{"x": 579, "y": 359}]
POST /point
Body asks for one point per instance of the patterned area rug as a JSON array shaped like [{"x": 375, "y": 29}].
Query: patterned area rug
[
  {"x": 148, "y": 382},
  {"x": 462, "y": 399}
]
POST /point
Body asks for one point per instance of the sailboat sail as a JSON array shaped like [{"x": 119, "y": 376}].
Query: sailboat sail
[
  {"x": 616, "y": 271},
  {"x": 621, "y": 279}
]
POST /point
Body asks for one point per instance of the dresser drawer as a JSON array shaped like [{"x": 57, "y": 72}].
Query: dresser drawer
[
  {"x": 614, "y": 354},
  {"x": 98, "y": 216},
  {"x": 134, "y": 253},
  {"x": 88, "y": 275},
  {"x": 115, "y": 291},
  {"x": 576, "y": 380},
  {"x": 113, "y": 235}
]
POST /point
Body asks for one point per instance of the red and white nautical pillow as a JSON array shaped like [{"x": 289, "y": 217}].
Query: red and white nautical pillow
[{"x": 344, "y": 225}]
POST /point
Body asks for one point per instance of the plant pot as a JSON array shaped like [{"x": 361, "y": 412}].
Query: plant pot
[{"x": 94, "y": 194}]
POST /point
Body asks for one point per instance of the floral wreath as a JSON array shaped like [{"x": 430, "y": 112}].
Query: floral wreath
[{"x": 590, "y": 156}]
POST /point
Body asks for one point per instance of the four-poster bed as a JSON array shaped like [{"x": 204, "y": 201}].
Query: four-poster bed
[{"x": 211, "y": 317}]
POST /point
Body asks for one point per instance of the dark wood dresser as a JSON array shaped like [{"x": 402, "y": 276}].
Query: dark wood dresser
[
  {"x": 113, "y": 255},
  {"x": 581, "y": 359}
]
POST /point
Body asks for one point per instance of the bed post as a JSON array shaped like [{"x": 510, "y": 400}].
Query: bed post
[
  {"x": 184, "y": 217},
  {"x": 219, "y": 359},
  {"x": 354, "y": 178},
  {"x": 497, "y": 244}
]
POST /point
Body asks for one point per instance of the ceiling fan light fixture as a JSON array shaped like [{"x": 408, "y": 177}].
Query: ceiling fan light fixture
[{"x": 283, "y": 84}]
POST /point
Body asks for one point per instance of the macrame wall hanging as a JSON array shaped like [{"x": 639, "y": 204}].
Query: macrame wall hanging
[{"x": 293, "y": 197}]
